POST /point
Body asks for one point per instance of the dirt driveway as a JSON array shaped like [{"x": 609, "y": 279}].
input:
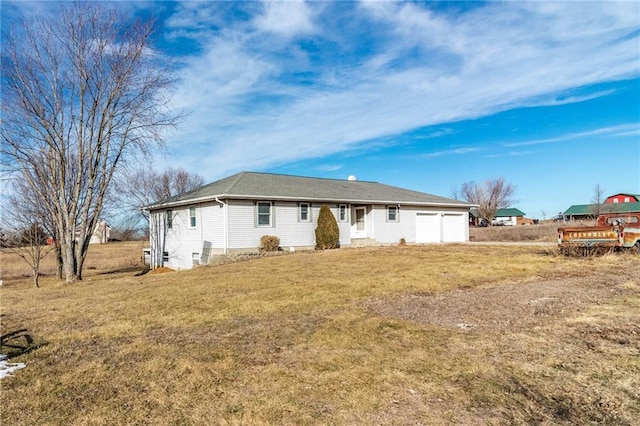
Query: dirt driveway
[{"x": 509, "y": 306}]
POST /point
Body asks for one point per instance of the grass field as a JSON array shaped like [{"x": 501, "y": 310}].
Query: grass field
[
  {"x": 101, "y": 257},
  {"x": 442, "y": 334}
]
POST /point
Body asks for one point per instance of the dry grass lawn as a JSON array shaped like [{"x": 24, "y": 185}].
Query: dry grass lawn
[
  {"x": 442, "y": 334},
  {"x": 112, "y": 256}
]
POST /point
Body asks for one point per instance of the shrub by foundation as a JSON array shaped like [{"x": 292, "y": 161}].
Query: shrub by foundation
[
  {"x": 327, "y": 232},
  {"x": 269, "y": 243}
]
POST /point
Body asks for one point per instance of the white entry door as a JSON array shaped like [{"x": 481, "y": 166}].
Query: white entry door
[
  {"x": 359, "y": 222},
  {"x": 428, "y": 228}
]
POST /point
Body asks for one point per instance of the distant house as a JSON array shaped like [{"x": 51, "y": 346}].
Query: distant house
[
  {"x": 506, "y": 217},
  {"x": 101, "y": 234},
  {"x": 232, "y": 214},
  {"x": 623, "y": 198},
  {"x": 589, "y": 211},
  {"x": 510, "y": 217},
  {"x": 475, "y": 219}
]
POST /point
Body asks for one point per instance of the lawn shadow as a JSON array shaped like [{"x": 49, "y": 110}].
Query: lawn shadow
[
  {"x": 139, "y": 270},
  {"x": 18, "y": 343}
]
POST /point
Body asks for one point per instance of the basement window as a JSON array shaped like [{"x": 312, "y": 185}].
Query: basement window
[{"x": 195, "y": 258}]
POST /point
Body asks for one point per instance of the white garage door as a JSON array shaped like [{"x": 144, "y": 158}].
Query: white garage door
[
  {"x": 427, "y": 228},
  {"x": 453, "y": 228}
]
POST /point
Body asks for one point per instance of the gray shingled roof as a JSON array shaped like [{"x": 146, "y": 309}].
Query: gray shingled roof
[{"x": 266, "y": 186}]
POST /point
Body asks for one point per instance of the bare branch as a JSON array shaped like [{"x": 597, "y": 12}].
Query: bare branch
[{"x": 490, "y": 196}]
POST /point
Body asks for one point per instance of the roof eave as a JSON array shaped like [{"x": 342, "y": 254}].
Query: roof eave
[{"x": 209, "y": 198}]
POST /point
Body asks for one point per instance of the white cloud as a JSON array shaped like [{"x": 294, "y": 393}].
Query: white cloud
[
  {"x": 286, "y": 18},
  {"x": 454, "y": 151},
  {"x": 622, "y": 130},
  {"x": 258, "y": 99}
]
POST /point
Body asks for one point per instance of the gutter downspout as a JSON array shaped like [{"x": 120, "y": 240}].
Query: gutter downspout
[{"x": 225, "y": 231}]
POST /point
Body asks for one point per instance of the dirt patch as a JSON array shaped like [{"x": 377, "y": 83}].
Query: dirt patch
[
  {"x": 510, "y": 306},
  {"x": 161, "y": 270}
]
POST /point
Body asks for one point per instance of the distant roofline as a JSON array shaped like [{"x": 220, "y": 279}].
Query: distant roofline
[
  {"x": 590, "y": 209},
  {"x": 631, "y": 194}
]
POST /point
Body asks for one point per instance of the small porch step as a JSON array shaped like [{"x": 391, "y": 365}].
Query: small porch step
[{"x": 363, "y": 242}]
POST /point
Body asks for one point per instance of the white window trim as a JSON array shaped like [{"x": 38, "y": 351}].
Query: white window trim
[
  {"x": 397, "y": 211},
  {"x": 346, "y": 213},
  {"x": 195, "y": 217},
  {"x": 308, "y": 219},
  {"x": 270, "y": 225}
]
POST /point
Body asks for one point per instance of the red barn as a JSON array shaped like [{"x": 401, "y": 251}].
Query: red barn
[{"x": 623, "y": 198}]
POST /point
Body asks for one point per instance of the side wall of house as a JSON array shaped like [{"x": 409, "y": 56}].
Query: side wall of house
[{"x": 186, "y": 245}]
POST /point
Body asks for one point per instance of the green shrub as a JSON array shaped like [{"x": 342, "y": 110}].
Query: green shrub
[
  {"x": 269, "y": 243},
  {"x": 327, "y": 232}
]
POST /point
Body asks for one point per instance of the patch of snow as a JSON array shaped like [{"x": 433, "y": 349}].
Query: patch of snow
[
  {"x": 542, "y": 300},
  {"x": 464, "y": 326},
  {"x": 6, "y": 368}
]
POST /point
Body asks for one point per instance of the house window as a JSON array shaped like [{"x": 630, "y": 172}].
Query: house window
[
  {"x": 192, "y": 217},
  {"x": 342, "y": 213},
  {"x": 392, "y": 214},
  {"x": 615, "y": 201},
  {"x": 195, "y": 258},
  {"x": 263, "y": 211},
  {"x": 305, "y": 212},
  {"x": 165, "y": 257},
  {"x": 626, "y": 199},
  {"x": 169, "y": 219}
]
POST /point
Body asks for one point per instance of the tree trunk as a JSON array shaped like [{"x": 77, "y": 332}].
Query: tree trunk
[
  {"x": 37, "y": 255},
  {"x": 59, "y": 261},
  {"x": 69, "y": 262},
  {"x": 36, "y": 277}
]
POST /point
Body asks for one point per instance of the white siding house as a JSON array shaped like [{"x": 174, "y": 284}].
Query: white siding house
[
  {"x": 230, "y": 216},
  {"x": 101, "y": 233}
]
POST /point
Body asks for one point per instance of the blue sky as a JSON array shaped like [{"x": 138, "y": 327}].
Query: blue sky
[{"x": 422, "y": 95}]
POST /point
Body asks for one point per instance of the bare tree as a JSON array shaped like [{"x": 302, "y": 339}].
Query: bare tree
[
  {"x": 25, "y": 223},
  {"x": 82, "y": 91},
  {"x": 490, "y": 196},
  {"x": 143, "y": 187},
  {"x": 455, "y": 192},
  {"x": 597, "y": 200}
]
